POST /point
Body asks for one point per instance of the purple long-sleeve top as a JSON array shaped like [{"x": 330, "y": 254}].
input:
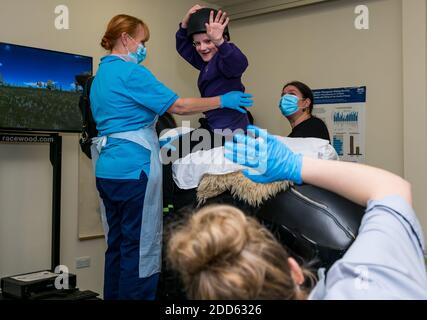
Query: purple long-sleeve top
[{"x": 222, "y": 74}]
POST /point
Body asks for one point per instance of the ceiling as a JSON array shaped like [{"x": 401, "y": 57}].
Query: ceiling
[
  {"x": 225, "y": 3},
  {"x": 238, "y": 9}
]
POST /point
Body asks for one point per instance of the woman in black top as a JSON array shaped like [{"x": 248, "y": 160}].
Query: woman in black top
[{"x": 297, "y": 105}]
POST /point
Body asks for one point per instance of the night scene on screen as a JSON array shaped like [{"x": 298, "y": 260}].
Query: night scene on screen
[{"x": 40, "y": 89}]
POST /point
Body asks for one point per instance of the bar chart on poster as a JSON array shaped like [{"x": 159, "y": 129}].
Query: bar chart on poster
[
  {"x": 343, "y": 110},
  {"x": 338, "y": 144},
  {"x": 354, "y": 146}
]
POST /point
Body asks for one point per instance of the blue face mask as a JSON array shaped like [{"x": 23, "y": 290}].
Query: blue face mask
[
  {"x": 288, "y": 104},
  {"x": 139, "y": 55}
]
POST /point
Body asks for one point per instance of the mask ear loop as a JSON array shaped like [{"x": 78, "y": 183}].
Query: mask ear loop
[
  {"x": 305, "y": 108},
  {"x": 128, "y": 35},
  {"x": 126, "y": 47}
]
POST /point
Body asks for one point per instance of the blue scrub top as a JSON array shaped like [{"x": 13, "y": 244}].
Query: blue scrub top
[{"x": 125, "y": 97}]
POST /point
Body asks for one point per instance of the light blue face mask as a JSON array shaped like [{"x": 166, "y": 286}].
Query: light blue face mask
[
  {"x": 139, "y": 55},
  {"x": 288, "y": 104}
]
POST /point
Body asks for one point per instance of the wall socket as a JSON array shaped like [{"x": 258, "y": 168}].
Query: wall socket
[{"x": 82, "y": 262}]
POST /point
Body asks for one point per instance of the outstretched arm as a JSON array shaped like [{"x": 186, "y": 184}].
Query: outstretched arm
[
  {"x": 386, "y": 260},
  {"x": 271, "y": 160},
  {"x": 358, "y": 183},
  {"x": 232, "y": 100}
]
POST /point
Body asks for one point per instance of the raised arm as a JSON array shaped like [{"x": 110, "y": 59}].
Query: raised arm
[
  {"x": 232, "y": 62},
  {"x": 184, "y": 45}
]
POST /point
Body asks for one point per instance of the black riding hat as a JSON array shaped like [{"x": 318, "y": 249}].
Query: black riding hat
[{"x": 196, "y": 23}]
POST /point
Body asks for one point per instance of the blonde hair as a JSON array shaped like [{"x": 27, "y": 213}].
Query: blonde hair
[
  {"x": 119, "y": 24},
  {"x": 222, "y": 254}
]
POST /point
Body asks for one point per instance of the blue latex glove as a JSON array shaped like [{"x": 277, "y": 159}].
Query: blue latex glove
[
  {"x": 235, "y": 100},
  {"x": 269, "y": 159},
  {"x": 288, "y": 104}
]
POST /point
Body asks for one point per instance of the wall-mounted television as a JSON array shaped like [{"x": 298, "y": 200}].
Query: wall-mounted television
[{"x": 40, "y": 89}]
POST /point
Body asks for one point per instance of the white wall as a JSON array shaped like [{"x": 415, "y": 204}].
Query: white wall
[{"x": 25, "y": 171}]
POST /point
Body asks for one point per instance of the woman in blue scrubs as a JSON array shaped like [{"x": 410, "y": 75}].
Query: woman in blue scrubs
[{"x": 126, "y": 100}]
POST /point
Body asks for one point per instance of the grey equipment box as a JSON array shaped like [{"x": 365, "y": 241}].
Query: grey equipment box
[{"x": 31, "y": 285}]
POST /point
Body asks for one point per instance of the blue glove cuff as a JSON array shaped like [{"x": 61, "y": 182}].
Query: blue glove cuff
[
  {"x": 295, "y": 173},
  {"x": 221, "y": 102}
]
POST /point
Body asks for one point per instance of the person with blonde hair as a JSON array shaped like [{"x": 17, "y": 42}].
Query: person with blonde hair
[
  {"x": 221, "y": 254},
  {"x": 126, "y": 101}
]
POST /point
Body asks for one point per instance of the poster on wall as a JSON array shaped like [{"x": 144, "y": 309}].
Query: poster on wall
[{"x": 344, "y": 111}]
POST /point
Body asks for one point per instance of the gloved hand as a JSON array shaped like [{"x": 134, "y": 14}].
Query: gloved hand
[
  {"x": 288, "y": 104},
  {"x": 269, "y": 159},
  {"x": 235, "y": 100}
]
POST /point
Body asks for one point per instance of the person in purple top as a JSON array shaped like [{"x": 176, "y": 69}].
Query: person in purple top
[{"x": 203, "y": 41}]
